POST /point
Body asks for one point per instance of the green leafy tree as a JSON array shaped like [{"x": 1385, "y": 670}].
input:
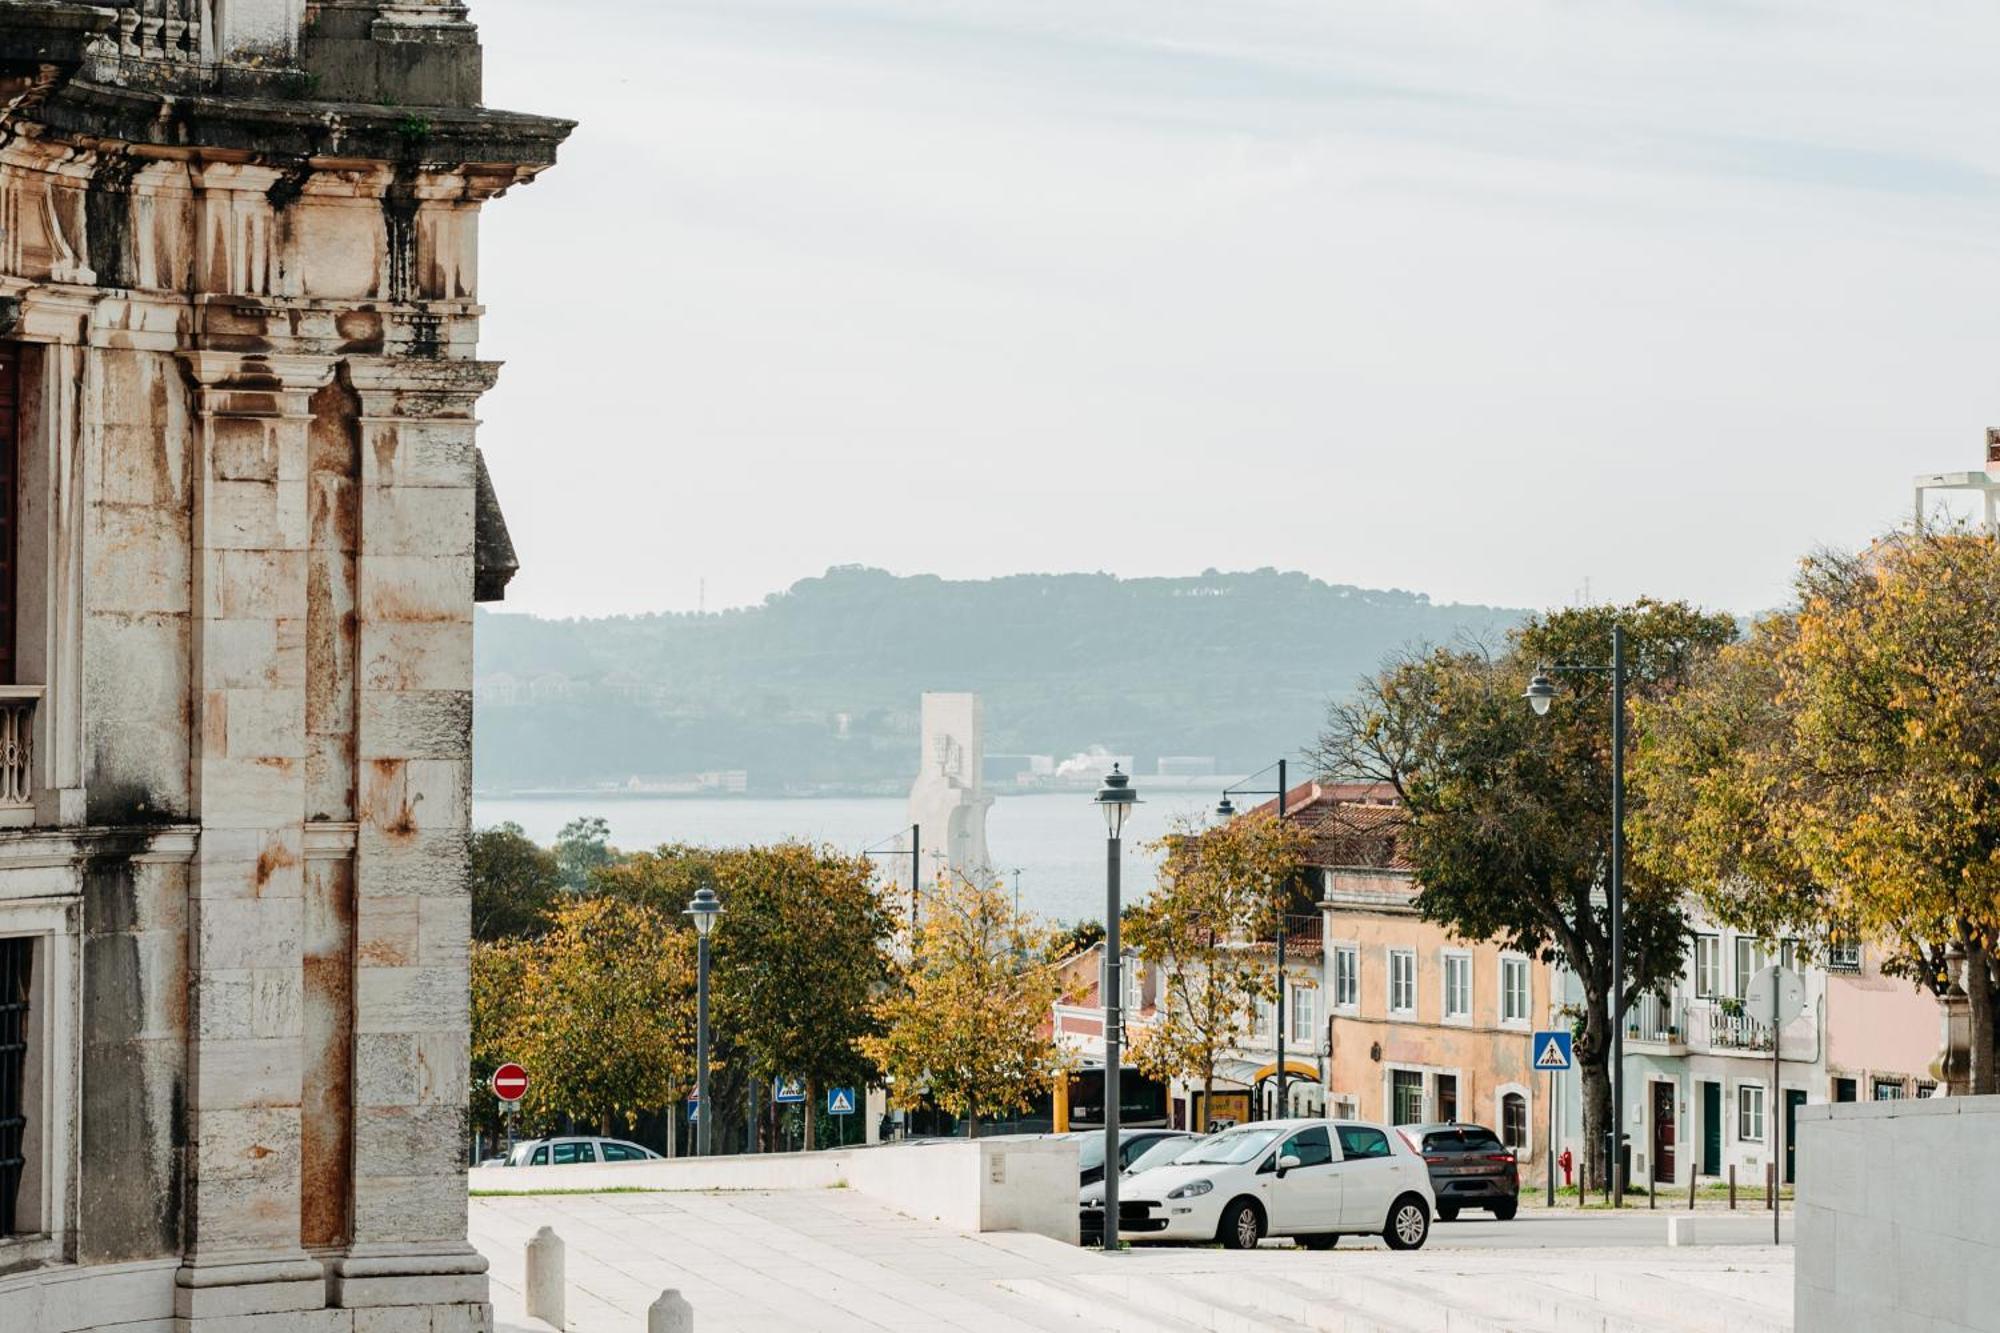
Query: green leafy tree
[
  {"x": 1217, "y": 889},
  {"x": 800, "y": 953},
  {"x": 583, "y": 847},
  {"x": 1839, "y": 773},
  {"x": 515, "y": 883},
  {"x": 968, "y": 1028},
  {"x": 1509, "y": 815}
]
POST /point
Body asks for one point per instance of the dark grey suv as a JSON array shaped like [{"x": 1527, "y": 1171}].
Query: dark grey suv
[{"x": 1470, "y": 1168}]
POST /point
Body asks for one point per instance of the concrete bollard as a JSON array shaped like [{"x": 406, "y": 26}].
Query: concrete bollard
[
  {"x": 545, "y": 1278},
  {"x": 1683, "y": 1231},
  {"x": 670, "y": 1314}
]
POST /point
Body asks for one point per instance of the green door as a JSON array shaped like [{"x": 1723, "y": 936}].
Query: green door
[
  {"x": 1711, "y": 1129},
  {"x": 1794, "y": 1099}
]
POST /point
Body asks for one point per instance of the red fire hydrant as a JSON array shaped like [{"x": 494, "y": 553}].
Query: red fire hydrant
[{"x": 1566, "y": 1162}]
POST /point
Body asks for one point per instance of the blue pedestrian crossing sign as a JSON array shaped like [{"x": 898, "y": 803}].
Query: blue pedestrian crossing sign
[
  {"x": 1552, "y": 1051},
  {"x": 789, "y": 1091},
  {"x": 694, "y": 1108},
  {"x": 840, "y": 1101}
]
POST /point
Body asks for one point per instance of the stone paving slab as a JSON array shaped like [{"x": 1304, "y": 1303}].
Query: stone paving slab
[{"x": 811, "y": 1260}]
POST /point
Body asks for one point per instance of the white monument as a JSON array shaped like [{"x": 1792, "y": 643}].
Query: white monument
[{"x": 948, "y": 801}]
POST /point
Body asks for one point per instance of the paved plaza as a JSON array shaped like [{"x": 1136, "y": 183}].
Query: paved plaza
[{"x": 834, "y": 1259}]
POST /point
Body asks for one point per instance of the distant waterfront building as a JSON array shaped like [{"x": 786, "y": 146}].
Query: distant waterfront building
[{"x": 243, "y": 524}]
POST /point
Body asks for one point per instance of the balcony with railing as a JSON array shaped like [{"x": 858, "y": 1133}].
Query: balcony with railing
[
  {"x": 1659, "y": 1022},
  {"x": 1716, "y": 1029},
  {"x": 168, "y": 30},
  {"x": 17, "y": 753}
]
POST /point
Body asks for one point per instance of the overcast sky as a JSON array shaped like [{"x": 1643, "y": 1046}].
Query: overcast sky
[{"x": 1481, "y": 298}]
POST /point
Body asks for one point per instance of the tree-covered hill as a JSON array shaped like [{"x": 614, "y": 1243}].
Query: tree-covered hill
[{"x": 820, "y": 684}]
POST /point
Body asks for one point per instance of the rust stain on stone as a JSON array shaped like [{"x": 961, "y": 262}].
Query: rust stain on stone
[
  {"x": 270, "y": 861},
  {"x": 326, "y": 1148}
]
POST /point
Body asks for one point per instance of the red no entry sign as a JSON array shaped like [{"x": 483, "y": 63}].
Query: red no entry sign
[{"x": 509, "y": 1082}]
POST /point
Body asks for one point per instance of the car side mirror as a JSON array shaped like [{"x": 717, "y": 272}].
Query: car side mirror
[{"x": 1288, "y": 1163}]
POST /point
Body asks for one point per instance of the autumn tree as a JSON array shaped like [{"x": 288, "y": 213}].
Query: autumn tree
[
  {"x": 1508, "y": 822},
  {"x": 1839, "y": 772},
  {"x": 968, "y": 1027},
  {"x": 514, "y": 883},
  {"x": 1218, "y": 890},
  {"x": 601, "y": 1011},
  {"x": 800, "y": 954}
]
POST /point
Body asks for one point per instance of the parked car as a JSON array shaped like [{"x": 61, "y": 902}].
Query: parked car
[
  {"x": 1470, "y": 1168},
  {"x": 1312, "y": 1180},
  {"x": 577, "y": 1151},
  {"x": 1131, "y": 1143},
  {"x": 1160, "y": 1148}
]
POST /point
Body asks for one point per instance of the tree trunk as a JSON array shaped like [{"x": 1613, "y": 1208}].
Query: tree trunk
[
  {"x": 972, "y": 1126},
  {"x": 811, "y": 1120},
  {"x": 1593, "y": 1058},
  {"x": 1979, "y": 1006},
  {"x": 1207, "y": 1100}
]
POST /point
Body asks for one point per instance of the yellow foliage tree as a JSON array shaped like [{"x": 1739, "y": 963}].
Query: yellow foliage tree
[
  {"x": 968, "y": 1027},
  {"x": 1218, "y": 890},
  {"x": 1840, "y": 771},
  {"x": 600, "y": 1010}
]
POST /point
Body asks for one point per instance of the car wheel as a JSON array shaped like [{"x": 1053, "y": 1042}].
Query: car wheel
[
  {"x": 1447, "y": 1212},
  {"x": 1320, "y": 1242},
  {"x": 1242, "y": 1226},
  {"x": 1409, "y": 1224},
  {"x": 1504, "y": 1212}
]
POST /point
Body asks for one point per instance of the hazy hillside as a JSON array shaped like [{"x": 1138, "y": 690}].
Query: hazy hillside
[{"x": 820, "y": 684}]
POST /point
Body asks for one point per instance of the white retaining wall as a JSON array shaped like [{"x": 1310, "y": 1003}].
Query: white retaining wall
[
  {"x": 1899, "y": 1216},
  {"x": 997, "y": 1184}
]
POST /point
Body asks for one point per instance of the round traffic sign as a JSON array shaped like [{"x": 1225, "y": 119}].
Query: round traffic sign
[
  {"x": 509, "y": 1082},
  {"x": 1774, "y": 985}
]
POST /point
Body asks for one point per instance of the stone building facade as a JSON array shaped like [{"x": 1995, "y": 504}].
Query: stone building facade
[{"x": 242, "y": 524}]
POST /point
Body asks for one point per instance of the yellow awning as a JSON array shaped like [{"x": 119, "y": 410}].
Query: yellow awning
[{"x": 1293, "y": 1069}]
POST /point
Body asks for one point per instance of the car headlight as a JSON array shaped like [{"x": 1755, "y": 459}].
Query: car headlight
[{"x": 1192, "y": 1190}]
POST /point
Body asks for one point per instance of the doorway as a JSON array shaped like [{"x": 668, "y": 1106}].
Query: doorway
[
  {"x": 1447, "y": 1098},
  {"x": 1794, "y": 1099},
  {"x": 1663, "y": 1133},
  {"x": 1711, "y": 1129}
]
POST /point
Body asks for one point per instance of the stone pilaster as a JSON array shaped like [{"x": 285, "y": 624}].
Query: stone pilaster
[
  {"x": 412, "y": 909},
  {"x": 247, "y": 887}
]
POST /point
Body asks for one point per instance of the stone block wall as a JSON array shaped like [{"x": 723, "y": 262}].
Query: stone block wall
[{"x": 1899, "y": 1216}]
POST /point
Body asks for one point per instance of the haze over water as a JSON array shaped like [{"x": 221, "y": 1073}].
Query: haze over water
[{"x": 1056, "y": 839}]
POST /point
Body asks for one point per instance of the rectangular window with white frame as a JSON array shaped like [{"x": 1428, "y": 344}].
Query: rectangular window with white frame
[
  {"x": 1514, "y": 993},
  {"x": 1402, "y": 981},
  {"x": 1305, "y": 1014},
  {"x": 1750, "y": 1112},
  {"x": 1457, "y": 987},
  {"x": 1346, "y": 978},
  {"x": 37, "y": 1083},
  {"x": 1752, "y": 957},
  {"x": 1707, "y": 966},
  {"x": 1844, "y": 956}
]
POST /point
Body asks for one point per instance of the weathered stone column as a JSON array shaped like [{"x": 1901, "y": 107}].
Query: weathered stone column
[
  {"x": 412, "y": 905},
  {"x": 246, "y": 892}
]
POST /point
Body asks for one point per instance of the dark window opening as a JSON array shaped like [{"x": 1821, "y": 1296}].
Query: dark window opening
[
  {"x": 15, "y": 957},
  {"x": 1513, "y": 1121}
]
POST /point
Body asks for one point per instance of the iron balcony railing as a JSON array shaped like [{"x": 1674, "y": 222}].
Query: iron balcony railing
[{"x": 17, "y": 752}]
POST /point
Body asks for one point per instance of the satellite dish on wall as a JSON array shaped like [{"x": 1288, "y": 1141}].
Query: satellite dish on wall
[{"x": 1779, "y": 982}]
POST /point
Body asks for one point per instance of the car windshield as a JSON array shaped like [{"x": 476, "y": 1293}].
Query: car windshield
[
  {"x": 1231, "y": 1149},
  {"x": 1160, "y": 1154},
  {"x": 1090, "y": 1153}
]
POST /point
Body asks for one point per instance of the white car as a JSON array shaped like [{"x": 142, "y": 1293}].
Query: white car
[
  {"x": 1312, "y": 1180},
  {"x": 580, "y": 1150}
]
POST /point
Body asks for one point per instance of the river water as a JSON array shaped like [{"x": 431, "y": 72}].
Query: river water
[{"x": 1056, "y": 840}]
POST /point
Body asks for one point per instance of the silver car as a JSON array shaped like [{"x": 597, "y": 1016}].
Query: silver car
[{"x": 577, "y": 1151}]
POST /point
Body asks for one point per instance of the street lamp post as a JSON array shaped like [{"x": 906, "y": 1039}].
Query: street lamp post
[
  {"x": 704, "y": 908},
  {"x": 1541, "y": 692},
  {"x": 1228, "y": 811},
  {"x": 1116, "y": 799}
]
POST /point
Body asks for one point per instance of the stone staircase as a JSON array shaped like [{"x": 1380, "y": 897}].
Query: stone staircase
[{"x": 1392, "y": 1297}]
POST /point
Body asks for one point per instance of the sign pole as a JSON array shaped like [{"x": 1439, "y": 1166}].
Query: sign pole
[
  {"x": 1549, "y": 1148},
  {"x": 1774, "y": 1110}
]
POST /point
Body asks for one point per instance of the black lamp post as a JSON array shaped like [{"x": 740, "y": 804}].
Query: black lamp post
[
  {"x": 1225, "y": 810},
  {"x": 1541, "y": 692},
  {"x": 704, "y": 908},
  {"x": 1116, "y": 799}
]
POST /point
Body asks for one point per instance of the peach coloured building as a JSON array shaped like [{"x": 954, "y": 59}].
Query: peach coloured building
[{"x": 1421, "y": 1025}]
